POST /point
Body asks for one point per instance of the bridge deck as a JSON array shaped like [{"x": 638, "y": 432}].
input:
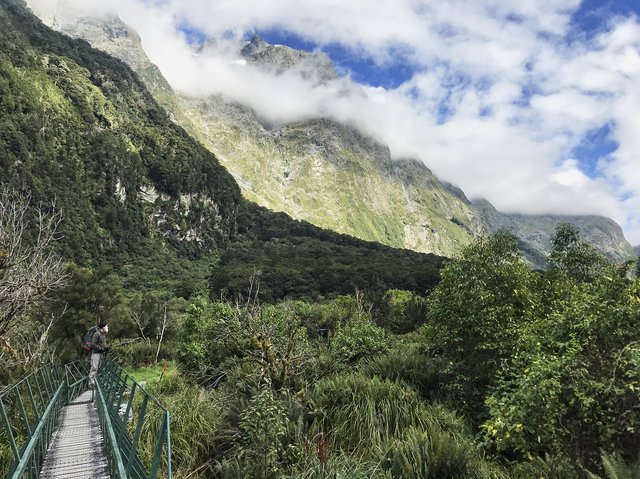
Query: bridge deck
[{"x": 77, "y": 447}]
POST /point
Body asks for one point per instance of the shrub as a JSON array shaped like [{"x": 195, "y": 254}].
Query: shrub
[
  {"x": 549, "y": 467},
  {"x": 406, "y": 312},
  {"x": 433, "y": 453},
  {"x": 410, "y": 365},
  {"x": 142, "y": 353},
  {"x": 358, "y": 339},
  {"x": 474, "y": 315},
  {"x": 263, "y": 426},
  {"x": 615, "y": 467}
]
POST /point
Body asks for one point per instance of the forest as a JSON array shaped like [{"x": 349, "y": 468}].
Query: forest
[{"x": 499, "y": 371}]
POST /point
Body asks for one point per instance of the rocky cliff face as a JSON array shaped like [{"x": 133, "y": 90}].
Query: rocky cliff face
[
  {"x": 329, "y": 173},
  {"x": 280, "y": 58},
  {"x": 536, "y": 232}
]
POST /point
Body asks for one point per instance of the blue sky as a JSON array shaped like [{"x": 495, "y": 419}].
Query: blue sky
[{"x": 529, "y": 104}]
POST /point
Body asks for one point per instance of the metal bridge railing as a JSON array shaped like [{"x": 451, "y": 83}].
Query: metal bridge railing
[
  {"x": 135, "y": 426},
  {"x": 76, "y": 379},
  {"x": 29, "y": 412}
]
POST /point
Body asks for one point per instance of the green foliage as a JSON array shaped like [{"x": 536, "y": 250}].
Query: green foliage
[
  {"x": 263, "y": 425},
  {"x": 206, "y": 339},
  {"x": 355, "y": 411},
  {"x": 141, "y": 353},
  {"x": 216, "y": 335},
  {"x": 6, "y": 455},
  {"x": 548, "y": 467},
  {"x": 321, "y": 319},
  {"x": 573, "y": 257},
  {"x": 300, "y": 261},
  {"x": 407, "y": 311},
  {"x": 77, "y": 125},
  {"x": 409, "y": 364},
  {"x": 615, "y": 467},
  {"x": 196, "y": 420},
  {"x": 358, "y": 339},
  {"x": 475, "y": 312},
  {"x": 88, "y": 299},
  {"x": 572, "y": 386},
  {"x": 343, "y": 467},
  {"x": 433, "y": 454}
]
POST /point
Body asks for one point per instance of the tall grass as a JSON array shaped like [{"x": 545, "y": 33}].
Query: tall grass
[
  {"x": 386, "y": 423},
  {"x": 196, "y": 418},
  {"x": 410, "y": 365},
  {"x": 358, "y": 413},
  {"x": 6, "y": 456},
  {"x": 343, "y": 467}
]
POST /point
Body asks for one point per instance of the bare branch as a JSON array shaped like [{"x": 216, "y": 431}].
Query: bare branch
[{"x": 29, "y": 267}]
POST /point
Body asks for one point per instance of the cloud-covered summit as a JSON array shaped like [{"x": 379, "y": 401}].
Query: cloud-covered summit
[{"x": 529, "y": 104}]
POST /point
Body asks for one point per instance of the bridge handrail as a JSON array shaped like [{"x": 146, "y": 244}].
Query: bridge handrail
[
  {"x": 113, "y": 385},
  {"x": 29, "y": 411},
  {"x": 76, "y": 376},
  {"x": 28, "y": 424}
]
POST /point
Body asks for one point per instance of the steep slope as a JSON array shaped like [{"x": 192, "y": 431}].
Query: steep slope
[
  {"x": 77, "y": 125},
  {"x": 143, "y": 197},
  {"x": 330, "y": 174},
  {"x": 302, "y": 168}
]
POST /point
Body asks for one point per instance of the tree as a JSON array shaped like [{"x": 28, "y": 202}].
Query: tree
[
  {"x": 474, "y": 314},
  {"x": 88, "y": 298},
  {"x": 29, "y": 267},
  {"x": 572, "y": 384},
  {"x": 574, "y": 257}
]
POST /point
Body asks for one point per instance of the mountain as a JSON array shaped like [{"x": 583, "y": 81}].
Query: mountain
[
  {"x": 141, "y": 196},
  {"x": 534, "y": 232},
  {"x": 329, "y": 173}
]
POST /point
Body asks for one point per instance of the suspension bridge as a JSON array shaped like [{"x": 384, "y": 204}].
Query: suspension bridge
[{"x": 53, "y": 427}]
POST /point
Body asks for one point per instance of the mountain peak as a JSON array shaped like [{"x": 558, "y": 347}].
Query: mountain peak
[
  {"x": 281, "y": 58},
  {"x": 255, "y": 46}
]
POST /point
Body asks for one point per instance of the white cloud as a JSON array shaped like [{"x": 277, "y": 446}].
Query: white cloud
[{"x": 503, "y": 91}]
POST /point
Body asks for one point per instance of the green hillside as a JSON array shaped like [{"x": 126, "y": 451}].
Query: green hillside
[{"x": 78, "y": 126}]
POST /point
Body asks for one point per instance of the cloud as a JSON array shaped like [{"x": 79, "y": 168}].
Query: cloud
[{"x": 502, "y": 94}]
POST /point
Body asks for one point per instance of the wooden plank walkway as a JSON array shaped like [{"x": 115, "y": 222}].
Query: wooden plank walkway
[{"x": 77, "y": 448}]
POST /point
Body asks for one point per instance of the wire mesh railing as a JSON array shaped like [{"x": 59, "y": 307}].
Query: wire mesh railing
[
  {"x": 135, "y": 425},
  {"x": 29, "y": 412}
]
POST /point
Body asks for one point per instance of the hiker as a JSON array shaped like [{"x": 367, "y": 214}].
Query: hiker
[{"x": 98, "y": 348}]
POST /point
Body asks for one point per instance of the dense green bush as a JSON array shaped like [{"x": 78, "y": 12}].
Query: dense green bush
[
  {"x": 270, "y": 337},
  {"x": 406, "y": 311},
  {"x": 142, "y": 353},
  {"x": 410, "y": 364},
  {"x": 474, "y": 315},
  {"x": 358, "y": 412},
  {"x": 358, "y": 339},
  {"x": 572, "y": 386},
  {"x": 433, "y": 454}
]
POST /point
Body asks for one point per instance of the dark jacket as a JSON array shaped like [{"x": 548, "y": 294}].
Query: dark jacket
[{"x": 98, "y": 342}]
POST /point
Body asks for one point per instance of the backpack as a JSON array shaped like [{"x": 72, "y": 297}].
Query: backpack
[{"x": 86, "y": 344}]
